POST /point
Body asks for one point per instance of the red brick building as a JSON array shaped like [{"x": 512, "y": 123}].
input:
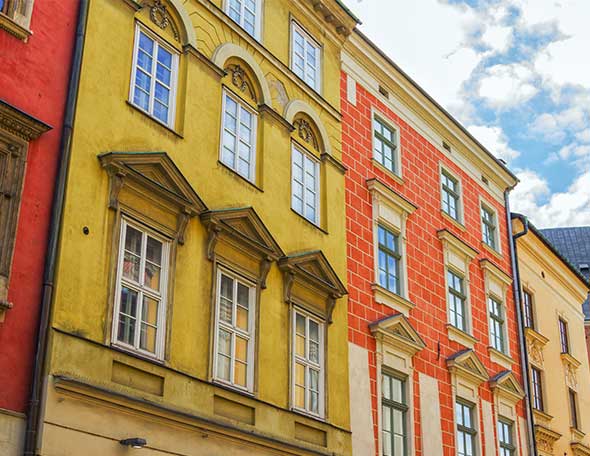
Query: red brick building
[
  {"x": 36, "y": 41},
  {"x": 434, "y": 353}
]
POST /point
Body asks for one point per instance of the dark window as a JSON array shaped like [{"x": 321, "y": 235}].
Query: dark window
[
  {"x": 389, "y": 260},
  {"x": 466, "y": 432},
  {"x": 394, "y": 409},
  {"x": 573, "y": 399},
  {"x": 529, "y": 319},
  {"x": 565, "y": 346},
  {"x": 537, "y": 387},
  {"x": 506, "y": 438},
  {"x": 385, "y": 145}
]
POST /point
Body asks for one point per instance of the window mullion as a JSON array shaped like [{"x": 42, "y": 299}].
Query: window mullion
[{"x": 152, "y": 95}]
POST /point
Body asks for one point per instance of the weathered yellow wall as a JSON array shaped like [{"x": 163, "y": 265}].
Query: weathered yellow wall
[
  {"x": 558, "y": 294},
  {"x": 106, "y": 122}
]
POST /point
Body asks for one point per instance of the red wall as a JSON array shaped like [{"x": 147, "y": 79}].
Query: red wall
[
  {"x": 426, "y": 280},
  {"x": 33, "y": 78}
]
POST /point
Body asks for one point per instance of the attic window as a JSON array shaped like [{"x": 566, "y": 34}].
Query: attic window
[
  {"x": 484, "y": 179},
  {"x": 383, "y": 91},
  {"x": 446, "y": 146}
]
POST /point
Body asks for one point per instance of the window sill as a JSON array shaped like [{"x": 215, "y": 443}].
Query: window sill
[
  {"x": 317, "y": 227},
  {"x": 234, "y": 389},
  {"x": 500, "y": 358},
  {"x": 542, "y": 417},
  {"x": 238, "y": 175},
  {"x": 392, "y": 300},
  {"x": 457, "y": 335},
  {"x": 311, "y": 416},
  {"x": 491, "y": 250},
  {"x": 8, "y": 25},
  {"x": 396, "y": 177},
  {"x": 567, "y": 358},
  {"x": 153, "y": 119},
  {"x": 137, "y": 354},
  {"x": 455, "y": 223},
  {"x": 535, "y": 335},
  {"x": 577, "y": 434}
]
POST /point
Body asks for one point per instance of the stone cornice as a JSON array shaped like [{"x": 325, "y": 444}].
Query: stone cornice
[{"x": 20, "y": 123}]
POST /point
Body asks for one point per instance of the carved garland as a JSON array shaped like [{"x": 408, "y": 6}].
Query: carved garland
[
  {"x": 240, "y": 80},
  {"x": 161, "y": 17},
  {"x": 306, "y": 133}
]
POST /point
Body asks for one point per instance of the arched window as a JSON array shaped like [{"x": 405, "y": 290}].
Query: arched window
[{"x": 162, "y": 31}]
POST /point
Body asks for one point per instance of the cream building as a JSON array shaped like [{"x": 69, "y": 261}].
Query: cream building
[{"x": 552, "y": 293}]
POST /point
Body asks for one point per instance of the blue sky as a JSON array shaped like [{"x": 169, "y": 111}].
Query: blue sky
[{"x": 516, "y": 73}]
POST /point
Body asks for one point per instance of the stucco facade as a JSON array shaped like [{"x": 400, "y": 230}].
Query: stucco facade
[
  {"x": 556, "y": 345},
  {"x": 402, "y": 326},
  {"x": 165, "y": 178},
  {"x": 35, "y": 60}
]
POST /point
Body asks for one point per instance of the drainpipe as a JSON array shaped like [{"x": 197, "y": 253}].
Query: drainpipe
[
  {"x": 33, "y": 415},
  {"x": 517, "y": 290}
]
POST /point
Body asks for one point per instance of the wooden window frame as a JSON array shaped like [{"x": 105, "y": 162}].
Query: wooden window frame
[
  {"x": 537, "y": 399},
  {"x": 564, "y": 342},
  {"x": 529, "y": 309},
  {"x": 241, "y": 105},
  {"x": 574, "y": 409},
  {"x": 249, "y": 335},
  {"x": 497, "y": 322},
  {"x": 307, "y": 40},
  {"x": 395, "y": 254},
  {"x": 402, "y": 407},
  {"x": 142, "y": 289},
  {"x": 14, "y": 21},
  {"x": 446, "y": 191},
  {"x": 306, "y": 156},
  {"x": 240, "y": 21},
  {"x": 489, "y": 227},
  {"x": 305, "y": 361},
  {"x": 452, "y": 292},
  {"x": 158, "y": 43}
]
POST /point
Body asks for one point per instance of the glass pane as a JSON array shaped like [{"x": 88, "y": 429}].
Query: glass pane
[
  {"x": 241, "y": 349},
  {"x": 314, "y": 352},
  {"x": 146, "y": 43},
  {"x": 127, "y": 314},
  {"x": 149, "y": 311},
  {"x": 225, "y": 310},
  {"x": 162, "y": 94},
  {"x": 398, "y": 421},
  {"x": 163, "y": 75},
  {"x": 242, "y": 318},
  {"x": 223, "y": 367},
  {"x": 152, "y": 276},
  {"x": 224, "y": 342},
  {"x": 128, "y": 305},
  {"x": 386, "y": 412},
  {"x": 397, "y": 390},
  {"x": 154, "y": 251},
  {"x": 398, "y": 445},
  {"x": 131, "y": 266},
  {"x": 300, "y": 345},
  {"x": 227, "y": 287},
  {"x": 300, "y": 324},
  {"x": 314, "y": 378},
  {"x": 164, "y": 57},
  {"x": 133, "y": 240},
  {"x": 240, "y": 373},
  {"x": 386, "y": 386},
  {"x": 299, "y": 374},
  {"x": 314, "y": 331},
  {"x": 160, "y": 111},
  {"x": 299, "y": 397},
  {"x": 143, "y": 81},
  {"x": 141, "y": 99},
  {"x": 314, "y": 402},
  {"x": 147, "y": 338}
]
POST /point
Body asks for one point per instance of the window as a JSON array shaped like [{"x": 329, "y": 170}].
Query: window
[
  {"x": 141, "y": 290},
  {"x": 573, "y": 402},
  {"x": 238, "y": 143},
  {"x": 389, "y": 260},
  {"x": 466, "y": 432},
  {"x": 537, "y": 387},
  {"x": 394, "y": 410},
  {"x": 305, "y": 185},
  {"x": 488, "y": 226},
  {"x": 234, "y": 332},
  {"x": 496, "y": 324},
  {"x": 305, "y": 57},
  {"x": 529, "y": 319},
  {"x": 450, "y": 195},
  {"x": 563, "y": 336},
  {"x": 308, "y": 364},
  {"x": 385, "y": 145},
  {"x": 506, "y": 438},
  {"x": 153, "y": 80},
  {"x": 19, "y": 11},
  {"x": 457, "y": 298},
  {"x": 247, "y": 14}
]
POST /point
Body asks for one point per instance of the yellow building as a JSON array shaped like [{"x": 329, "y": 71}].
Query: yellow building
[
  {"x": 552, "y": 295},
  {"x": 199, "y": 303}
]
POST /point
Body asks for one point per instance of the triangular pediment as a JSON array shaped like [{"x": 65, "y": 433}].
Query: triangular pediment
[
  {"x": 466, "y": 363},
  {"x": 314, "y": 268},
  {"x": 398, "y": 331},
  {"x": 244, "y": 225},
  {"x": 157, "y": 172},
  {"x": 506, "y": 383}
]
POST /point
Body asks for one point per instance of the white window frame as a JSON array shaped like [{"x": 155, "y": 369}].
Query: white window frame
[
  {"x": 462, "y": 296},
  {"x": 250, "y": 335},
  {"x": 388, "y": 123},
  {"x": 308, "y": 39},
  {"x": 158, "y": 42},
  {"x": 444, "y": 170},
  {"x": 474, "y": 417},
  {"x": 503, "y": 333},
  {"x": 485, "y": 205},
  {"x": 241, "y": 105},
  {"x": 306, "y": 156},
  {"x": 257, "y": 17},
  {"x": 321, "y": 366},
  {"x": 161, "y": 327}
]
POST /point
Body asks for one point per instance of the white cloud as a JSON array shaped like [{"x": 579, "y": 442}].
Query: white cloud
[
  {"x": 507, "y": 85},
  {"x": 429, "y": 47},
  {"x": 497, "y": 37},
  {"x": 570, "y": 208},
  {"x": 583, "y": 136},
  {"x": 553, "y": 126},
  {"x": 494, "y": 139}
]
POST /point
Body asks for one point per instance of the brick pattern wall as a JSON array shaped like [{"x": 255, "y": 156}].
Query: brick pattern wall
[{"x": 426, "y": 285}]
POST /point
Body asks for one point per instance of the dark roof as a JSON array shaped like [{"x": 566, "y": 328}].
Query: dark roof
[{"x": 574, "y": 244}]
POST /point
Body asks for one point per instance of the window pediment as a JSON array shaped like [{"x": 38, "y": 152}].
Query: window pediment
[
  {"x": 496, "y": 280},
  {"x": 15, "y": 121},
  {"x": 240, "y": 236},
  {"x": 505, "y": 384},
  {"x": 154, "y": 177},
  {"x": 452, "y": 242},
  {"x": 466, "y": 364},
  {"x": 397, "y": 331},
  {"x": 580, "y": 449},
  {"x": 310, "y": 280},
  {"x": 383, "y": 194}
]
